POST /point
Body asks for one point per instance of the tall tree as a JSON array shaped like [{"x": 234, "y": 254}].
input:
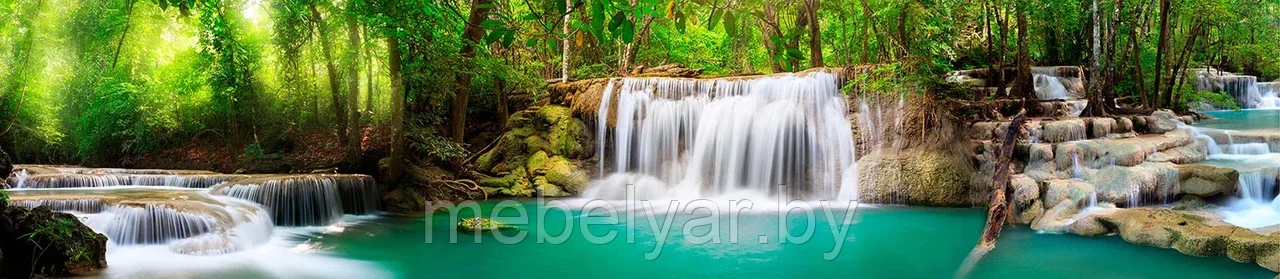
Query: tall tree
[
  {"x": 471, "y": 39},
  {"x": 815, "y": 34},
  {"x": 353, "y": 89},
  {"x": 326, "y": 47},
  {"x": 396, "y": 166},
  {"x": 1025, "y": 86},
  {"x": 1162, "y": 46}
]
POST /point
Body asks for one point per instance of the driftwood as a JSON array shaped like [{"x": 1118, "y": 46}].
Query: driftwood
[{"x": 998, "y": 211}]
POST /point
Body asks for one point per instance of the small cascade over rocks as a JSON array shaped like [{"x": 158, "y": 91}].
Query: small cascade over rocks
[
  {"x": 784, "y": 135},
  {"x": 191, "y": 212},
  {"x": 89, "y": 180},
  {"x": 146, "y": 215},
  {"x": 1247, "y": 91},
  {"x": 307, "y": 200}
]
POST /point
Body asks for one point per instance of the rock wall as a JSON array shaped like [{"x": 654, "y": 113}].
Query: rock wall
[{"x": 915, "y": 155}]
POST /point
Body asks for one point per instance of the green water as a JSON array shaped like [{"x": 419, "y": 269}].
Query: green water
[
  {"x": 1241, "y": 120},
  {"x": 888, "y": 242}
]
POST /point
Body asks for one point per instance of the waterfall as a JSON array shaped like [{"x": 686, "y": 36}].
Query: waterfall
[
  {"x": 82, "y": 180},
  {"x": 1050, "y": 88},
  {"x": 780, "y": 135},
  {"x": 1268, "y": 95},
  {"x": 150, "y": 224},
  {"x": 307, "y": 200},
  {"x": 1076, "y": 171},
  {"x": 79, "y": 205},
  {"x": 1258, "y": 185}
]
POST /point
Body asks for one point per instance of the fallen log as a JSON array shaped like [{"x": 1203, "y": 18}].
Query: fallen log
[{"x": 998, "y": 210}]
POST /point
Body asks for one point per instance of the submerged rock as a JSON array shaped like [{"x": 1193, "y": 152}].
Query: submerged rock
[
  {"x": 1192, "y": 233},
  {"x": 481, "y": 224},
  {"x": 40, "y": 242}
]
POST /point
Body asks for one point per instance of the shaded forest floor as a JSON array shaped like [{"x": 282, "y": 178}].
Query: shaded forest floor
[{"x": 308, "y": 151}]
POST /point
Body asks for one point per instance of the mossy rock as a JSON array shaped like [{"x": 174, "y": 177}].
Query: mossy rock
[
  {"x": 48, "y": 243},
  {"x": 403, "y": 200},
  {"x": 481, "y": 224},
  {"x": 563, "y": 173}
]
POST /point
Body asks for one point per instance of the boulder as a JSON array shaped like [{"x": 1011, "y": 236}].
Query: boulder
[
  {"x": 1101, "y": 127},
  {"x": 1192, "y": 233},
  {"x": 1075, "y": 191},
  {"x": 539, "y": 153},
  {"x": 1123, "y": 126},
  {"x": 1058, "y": 218},
  {"x": 403, "y": 200},
  {"x": 49, "y": 244},
  {"x": 915, "y": 177},
  {"x": 1064, "y": 130},
  {"x": 1207, "y": 181},
  {"x": 1026, "y": 199},
  {"x": 1161, "y": 122}
]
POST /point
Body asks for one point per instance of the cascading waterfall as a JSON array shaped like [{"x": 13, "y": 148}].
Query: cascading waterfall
[
  {"x": 1050, "y": 88},
  {"x": 78, "y": 205},
  {"x": 1269, "y": 98},
  {"x": 1258, "y": 185},
  {"x": 307, "y": 200},
  {"x": 80, "y": 180},
  {"x": 781, "y": 135},
  {"x": 147, "y": 207}
]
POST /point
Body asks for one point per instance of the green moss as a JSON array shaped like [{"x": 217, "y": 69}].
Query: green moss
[
  {"x": 481, "y": 224},
  {"x": 536, "y": 143},
  {"x": 561, "y": 172}
]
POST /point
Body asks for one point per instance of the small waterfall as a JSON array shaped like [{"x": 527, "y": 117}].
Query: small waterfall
[
  {"x": 79, "y": 205},
  {"x": 1093, "y": 199},
  {"x": 1268, "y": 95},
  {"x": 307, "y": 200},
  {"x": 150, "y": 224},
  {"x": 781, "y": 135},
  {"x": 1076, "y": 171},
  {"x": 1258, "y": 185},
  {"x": 602, "y": 127},
  {"x": 1050, "y": 88},
  {"x": 79, "y": 180}
]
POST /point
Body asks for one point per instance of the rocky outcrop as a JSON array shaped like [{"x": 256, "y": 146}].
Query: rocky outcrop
[
  {"x": 539, "y": 153},
  {"x": 1192, "y": 234},
  {"x": 39, "y": 242},
  {"x": 915, "y": 177},
  {"x": 1207, "y": 181}
]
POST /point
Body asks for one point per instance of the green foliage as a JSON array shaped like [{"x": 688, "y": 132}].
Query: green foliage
[
  {"x": 1190, "y": 98},
  {"x": 436, "y": 147}
]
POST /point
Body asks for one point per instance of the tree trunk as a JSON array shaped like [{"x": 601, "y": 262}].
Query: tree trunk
[
  {"x": 339, "y": 107},
  {"x": 564, "y": 43},
  {"x": 815, "y": 35},
  {"x": 998, "y": 210},
  {"x": 396, "y": 166},
  {"x": 353, "y": 93},
  {"x": 1093, "y": 86},
  {"x": 124, "y": 34},
  {"x": 471, "y": 37},
  {"x": 1137, "y": 66},
  {"x": 770, "y": 29},
  {"x": 1025, "y": 86},
  {"x": 1161, "y": 46}
]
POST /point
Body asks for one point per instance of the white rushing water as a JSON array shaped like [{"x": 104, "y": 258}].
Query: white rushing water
[
  {"x": 162, "y": 223},
  {"x": 781, "y": 135},
  {"x": 1050, "y": 88}
]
